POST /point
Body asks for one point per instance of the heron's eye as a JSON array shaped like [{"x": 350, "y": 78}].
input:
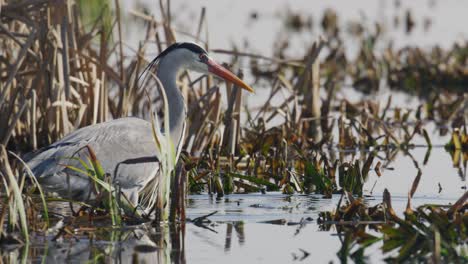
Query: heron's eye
[{"x": 203, "y": 58}]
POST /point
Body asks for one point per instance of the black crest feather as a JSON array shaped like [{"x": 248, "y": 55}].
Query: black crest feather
[
  {"x": 178, "y": 45},
  {"x": 182, "y": 45}
]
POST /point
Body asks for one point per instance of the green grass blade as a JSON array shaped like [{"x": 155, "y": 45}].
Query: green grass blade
[{"x": 36, "y": 183}]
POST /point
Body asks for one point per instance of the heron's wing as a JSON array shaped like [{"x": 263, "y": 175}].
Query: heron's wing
[{"x": 124, "y": 147}]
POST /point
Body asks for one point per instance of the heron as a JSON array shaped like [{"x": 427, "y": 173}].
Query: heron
[{"x": 125, "y": 147}]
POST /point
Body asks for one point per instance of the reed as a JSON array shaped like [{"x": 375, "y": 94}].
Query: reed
[
  {"x": 106, "y": 192},
  {"x": 61, "y": 70},
  {"x": 72, "y": 78},
  {"x": 13, "y": 202},
  {"x": 156, "y": 194}
]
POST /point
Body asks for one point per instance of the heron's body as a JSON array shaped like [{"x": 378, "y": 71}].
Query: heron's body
[{"x": 125, "y": 147}]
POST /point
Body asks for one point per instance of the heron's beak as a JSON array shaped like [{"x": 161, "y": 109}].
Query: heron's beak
[{"x": 222, "y": 72}]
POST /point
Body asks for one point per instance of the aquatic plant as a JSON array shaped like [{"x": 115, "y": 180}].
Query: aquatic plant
[
  {"x": 429, "y": 232},
  {"x": 60, "y": 73},
  {"x": 155, "y": 196},
  {"x": 13, "y": 202}
]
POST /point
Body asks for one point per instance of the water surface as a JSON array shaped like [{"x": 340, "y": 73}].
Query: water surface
[{"x": 272, "y": 227}]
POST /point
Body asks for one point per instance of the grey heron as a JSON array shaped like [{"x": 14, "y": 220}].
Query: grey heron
[{"x": 125, "y": 147}]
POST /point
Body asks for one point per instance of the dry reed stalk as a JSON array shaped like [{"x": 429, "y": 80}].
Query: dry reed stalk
[
  {"x": 73, "y": 77},
  {"x": 33, "y": 120},
  {"x": 14, "y": 122},
  {"x": 17, "y": 208},
  {"x": 293, "y": 63},
  {"x": 200, "y": 23},
  {"x": 97, "y": 86},
  {"x": 228, "y": 133},
  {"x": 120, "y": 40},
  {"x": 166, "y": 15},
  {"x": 237, "y": 114},
  {"x": 103, "y": 102},
  {"x": 95, "y": 97},
  {"x": 315, "y": 103},
  {"x": 16, "y": 66}
]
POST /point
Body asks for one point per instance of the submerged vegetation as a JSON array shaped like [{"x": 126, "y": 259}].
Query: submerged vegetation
[{"x": 59, "y": 73}]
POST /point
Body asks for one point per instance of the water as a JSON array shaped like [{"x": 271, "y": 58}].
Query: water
[
  {"x": 250, "y": 228},
  {"x": 230, "y": 22},
  {"x": 266, "y": 228}
]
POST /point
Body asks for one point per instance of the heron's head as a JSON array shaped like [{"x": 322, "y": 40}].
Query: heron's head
[{"x": 193, "y": 57}]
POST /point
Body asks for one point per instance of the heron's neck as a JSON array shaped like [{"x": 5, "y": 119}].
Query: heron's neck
[{"x": 168, "y": 73}]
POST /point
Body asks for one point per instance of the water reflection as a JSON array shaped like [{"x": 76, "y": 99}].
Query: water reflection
[
  {"x": 350, "y": 249},
  {"x": 162, "y": 244},
  {"x": 271, "y": 228},
  {"x": 14, "y": 254},
  {"x": 239, "y": 228},
  {"x": 166, "y": 244}
]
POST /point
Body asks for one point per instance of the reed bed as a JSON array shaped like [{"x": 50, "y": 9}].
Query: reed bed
[{"x": 58, "y": 75}]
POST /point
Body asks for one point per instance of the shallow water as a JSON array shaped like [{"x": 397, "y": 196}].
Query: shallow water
[
  {"x": 250, "y": 228},
  {"x": 230, "y": 23},
  {"x": 266, "y": 228}
]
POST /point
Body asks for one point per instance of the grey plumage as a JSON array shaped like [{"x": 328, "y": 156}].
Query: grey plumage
[{"x": 125, "y": 147}]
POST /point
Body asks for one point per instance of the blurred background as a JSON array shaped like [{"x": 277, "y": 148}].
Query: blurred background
[{"x": 358, "y": 104}]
